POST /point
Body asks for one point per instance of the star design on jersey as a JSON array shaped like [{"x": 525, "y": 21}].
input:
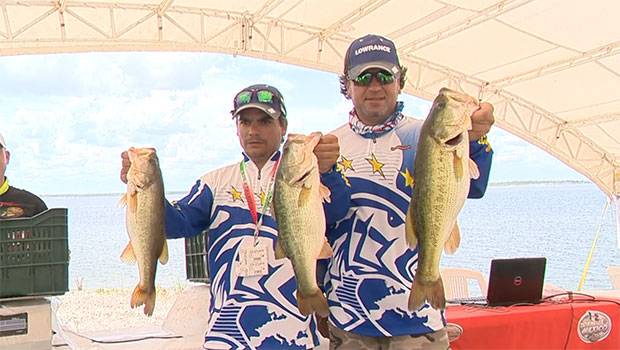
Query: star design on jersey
[
  {"x": 377, "y": 166},
  {"x": 346, "y": 164},
  {"x": 484, "y": 140},
  {"x": 262, "y": 196},
  {"x": 341, "y": 171},
  {"x": 236, "y": 194},
  {"x": 408, "y": 178}
]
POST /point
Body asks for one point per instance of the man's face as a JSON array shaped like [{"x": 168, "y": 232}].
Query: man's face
[
  {"x": 374, "y": 103},
  {"x": 259, "y": 134},
  {"x": 4, "y": 160}
]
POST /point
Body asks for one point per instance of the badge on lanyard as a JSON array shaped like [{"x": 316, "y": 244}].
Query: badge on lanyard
[
  {"x": 253, "y": 255},
  {"x": 253, "y": 260}
]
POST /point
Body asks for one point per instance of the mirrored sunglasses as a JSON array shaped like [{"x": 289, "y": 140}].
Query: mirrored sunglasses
[
  {"x": 245, "y": 97},
  {"x": 382, "y": 77}
]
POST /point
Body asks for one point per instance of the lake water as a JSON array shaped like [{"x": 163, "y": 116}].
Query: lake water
[{"x": 557, "y": 221}]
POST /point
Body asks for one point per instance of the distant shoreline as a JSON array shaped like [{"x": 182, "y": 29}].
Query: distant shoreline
[
  {"x": 542, "y": 182},
  {"x": 492, "y": 184},
  {"x": 119, "y": 194}
]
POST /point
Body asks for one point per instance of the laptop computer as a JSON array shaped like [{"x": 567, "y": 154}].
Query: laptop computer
[{"x": 512, "y": 281}]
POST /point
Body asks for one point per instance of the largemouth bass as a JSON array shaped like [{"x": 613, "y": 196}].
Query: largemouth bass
[
  {"x": 298, "y": 208},
  {"x": 442, "y": 173},
  {"x": 145, "y": 223}
]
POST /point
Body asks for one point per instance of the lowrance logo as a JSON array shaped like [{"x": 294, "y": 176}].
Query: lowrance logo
[{"x": 364, "y": 49}]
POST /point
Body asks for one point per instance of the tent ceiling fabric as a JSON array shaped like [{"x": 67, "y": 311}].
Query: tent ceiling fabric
[{"x": 550, "y": 67}]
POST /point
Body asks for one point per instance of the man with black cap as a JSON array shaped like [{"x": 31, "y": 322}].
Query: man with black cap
[
  {"x": 15, "y": 202},
  {"x": 369, "y": 278},
  {"x": 253, "y": 304}
]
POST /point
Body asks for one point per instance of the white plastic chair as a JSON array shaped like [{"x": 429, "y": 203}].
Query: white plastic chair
[
  {"x": 456, "y": 282},
  {"x": 614, "y": 276}
]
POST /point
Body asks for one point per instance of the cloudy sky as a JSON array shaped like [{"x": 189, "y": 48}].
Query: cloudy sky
[{"x": 66, "y": 118}]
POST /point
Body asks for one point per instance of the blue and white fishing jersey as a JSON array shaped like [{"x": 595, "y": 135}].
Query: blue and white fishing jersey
[
  {"x": 256, "y": 312},
  {"x": 370, "y": 275}
]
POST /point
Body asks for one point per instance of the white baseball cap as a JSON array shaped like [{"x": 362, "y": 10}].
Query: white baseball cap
[{"x": 2, "y": 142}]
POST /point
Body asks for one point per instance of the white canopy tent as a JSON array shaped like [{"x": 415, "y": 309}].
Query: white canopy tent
[{"x": 550, "y": 67}]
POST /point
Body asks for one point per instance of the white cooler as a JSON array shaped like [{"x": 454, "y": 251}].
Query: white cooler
[{"x": 25, "y": 324}]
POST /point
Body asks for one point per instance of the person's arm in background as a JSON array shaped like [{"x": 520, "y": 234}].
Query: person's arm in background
[
  {"x": 191, "y": 215},
  {"x": 479, "y": 149},
  {"x": 187, "y": 217},
  {"x": 327, "y": 152}
]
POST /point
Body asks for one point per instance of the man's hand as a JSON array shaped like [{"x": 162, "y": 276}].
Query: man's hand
[
  {"x": 322, "y": 327},
  {"x": 327, "y": 152},
  {"x": 481, "y": 121},
  {"x": 125, "y": 166}
]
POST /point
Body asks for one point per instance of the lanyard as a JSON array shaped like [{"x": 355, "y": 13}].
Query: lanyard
[{"x": 249, "y": 195}]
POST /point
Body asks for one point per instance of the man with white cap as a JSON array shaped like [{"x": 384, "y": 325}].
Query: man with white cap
[
  {"x": 251, "y": 309},
  {"x": 15, "y": 202},
  {"x": 369, "y": 277}
]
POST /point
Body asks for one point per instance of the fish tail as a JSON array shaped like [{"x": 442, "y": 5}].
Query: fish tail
[
  {"x": 423, "y": 291},
  {"x": 315, "y": 302},
  {"x": 143, "y": 297}
]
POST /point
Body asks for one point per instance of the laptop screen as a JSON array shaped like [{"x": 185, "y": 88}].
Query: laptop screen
[{"x": 514, "y": 281}]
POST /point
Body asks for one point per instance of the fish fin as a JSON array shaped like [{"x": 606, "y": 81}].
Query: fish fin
[
  {"x": 279, "y": 252},
  {"x": 326, "y": 251},
  {"x": 474, "y": 172},
  {"x": 132, "y": 202},
  {"x": 325, "y": 193},
  {"x": 410, "y": 235},
  {"x": 458, "y": 166},
  {"x": 163, "y": 257},
  {"x": 123, "y": 200},
  {"x": 432, "y": 292},
  {"x": 454, "y": 240},
  {"x": 143, "y": 297},
  {"x": 304, "y": 196},
  {"x": 459, "y": 153},
  {"x": 310, "y": 304},
  {"x": 128, "y": 255},
  {"x": 314, "y": 138}
]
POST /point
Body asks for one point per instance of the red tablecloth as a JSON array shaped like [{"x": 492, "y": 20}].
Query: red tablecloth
[{"x": 559, "y": 324}]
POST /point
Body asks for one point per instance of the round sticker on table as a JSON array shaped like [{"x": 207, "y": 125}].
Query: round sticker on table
[
  {"x": 454, "y": 331},
  {"x": 593, "y": 326}
]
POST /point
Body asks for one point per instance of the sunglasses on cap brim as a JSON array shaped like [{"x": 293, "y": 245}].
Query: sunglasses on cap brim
[
  {"x": 245, "y": 97},
  {"x": 262, "y": 96}
]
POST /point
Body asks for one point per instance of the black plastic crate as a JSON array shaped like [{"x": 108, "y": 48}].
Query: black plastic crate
[
  {"x": 34, "y": 255},
  {"x": 196, "y": 265}
]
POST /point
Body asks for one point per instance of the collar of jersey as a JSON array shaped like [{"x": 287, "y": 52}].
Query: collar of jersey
[
  {"x": 273, "y": 158},
  {"x": 5, "y": 186}
]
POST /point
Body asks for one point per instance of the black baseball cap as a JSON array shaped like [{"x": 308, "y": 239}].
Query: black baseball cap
[
  {"x": 371, "y": 51},
  {"x": 262, "y": 96}
]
